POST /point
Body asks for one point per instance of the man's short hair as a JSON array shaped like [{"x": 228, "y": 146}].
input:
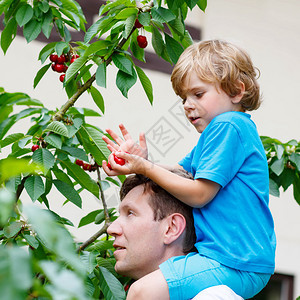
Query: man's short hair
[{"x": 164, "y": 204}]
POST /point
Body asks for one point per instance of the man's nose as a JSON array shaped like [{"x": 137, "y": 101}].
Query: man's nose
[{"x": 114, "y": 228}]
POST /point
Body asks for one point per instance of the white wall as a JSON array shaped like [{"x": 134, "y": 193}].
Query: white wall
[{"x": 268, "y": 30}]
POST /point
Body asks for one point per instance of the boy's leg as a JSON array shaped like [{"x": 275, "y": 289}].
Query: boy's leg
[{"x": 150, "y": 287}]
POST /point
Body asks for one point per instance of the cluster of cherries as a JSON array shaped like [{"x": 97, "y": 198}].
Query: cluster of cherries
[
  {"x": 85, "y": 166},
  {"x": 59, "y": 63},
  {"x": 141, "y": 39}
]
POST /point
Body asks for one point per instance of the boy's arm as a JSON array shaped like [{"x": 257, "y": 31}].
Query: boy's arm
[{"x": 195, "y": 193}]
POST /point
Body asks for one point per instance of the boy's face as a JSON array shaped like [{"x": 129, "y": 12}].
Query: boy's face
[{"x": 203, "y": 101}]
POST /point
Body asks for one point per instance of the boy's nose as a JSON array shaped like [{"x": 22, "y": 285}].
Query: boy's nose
[{"x": 188, "y": 104}]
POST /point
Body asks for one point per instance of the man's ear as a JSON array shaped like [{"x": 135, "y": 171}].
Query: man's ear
[
  {"x": 175, "y": 226},
  {"x": 236, "y": 99}
]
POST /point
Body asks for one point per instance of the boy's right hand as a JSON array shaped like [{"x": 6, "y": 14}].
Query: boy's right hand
[{"x": 128, "y": 144}]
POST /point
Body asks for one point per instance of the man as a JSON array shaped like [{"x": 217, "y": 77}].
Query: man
[{"x": 152, "y": 227}]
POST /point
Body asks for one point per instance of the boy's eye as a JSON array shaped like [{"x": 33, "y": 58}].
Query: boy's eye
[
  {"x": 183, "y": 101},
  {"x": 199, "y": 95}
]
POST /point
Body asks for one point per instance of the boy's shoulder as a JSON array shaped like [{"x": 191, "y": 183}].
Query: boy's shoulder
[{"x": 233, "y": 117}]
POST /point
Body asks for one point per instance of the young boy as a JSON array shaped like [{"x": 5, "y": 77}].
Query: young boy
[{"x": 234, "y": 227}]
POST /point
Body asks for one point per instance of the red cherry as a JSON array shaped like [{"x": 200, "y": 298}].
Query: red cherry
[
  {"x": 78, "y": 162},
  {"x": 137, "y": 24},
  {"x": 53, "y": 57},
  {"x": 66, "y": 68},
  {"x": 59, "y": 68},
  {"x": 142, "y": 41},
  {"x": 35, "y": 147},
  {"x": 61, "y": 59},
  {"x": 119, "y": 161},
  {"x": 109, "y": 166},
  {"x": 53, "y": 67},
  {"x": 86, "y": 167},
  {"x": 62, "y": 77}
]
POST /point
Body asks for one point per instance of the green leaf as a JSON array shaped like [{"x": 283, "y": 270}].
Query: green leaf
[
  {"x": 110, "y": 285},
  {"x": 76, "y": 152},
  {"x": 4, "y": 4},
  {"x": 101, "y": 76},
  {"x": 178, "y": 27},
  {"x": 34, "y": 187},
  {"x": 94, "y": 29},
  {"x": 8, "y": 34},
  {"x": 12, "y": 138},
  {"x": 174, "y": 49},
  {"x": 24, "y": 14},
  {"x": 129, "y": 23},
  {"x": 47, "y": 24},
  {"x": 123, "y": 63},
  {"x": 137, "y": 51},
  {"x": 31, "y": 30},
  {"x": 97, "y": 97},
  {"x": 162, "y": 15},
  {"x": 191, "y": 3},
  {"x": 202, "y": 4},
  {"x": 96, "y": 46},
  {"x": 69, "y": 192},
  {"x": 144, "y": 18},
  {"x": 279, "y": 150},
  {"x": 12, "y": 229},
  {"x": 40, "y": 75},
  {"x": 75, "y": 67},
  {"x": 146, "y": 83},
  {"x": 295, "y": 158},
  {"x": 127, "y": 12},
  {"x": 82, "y": 177},
  {"x": 96, "y": 137},
  {"x": 12, "y": 167},
  {"x": 54, "y": 140},
  {"x": 46, "y": 51},
  {"x": 296, "y": 189},
  {"x": 60, "y": 47},
  {"x": 15, "y": 272},
  {"x": 31, "y": 240},
  {"x": 44, "y": 158},
  {"x": 89, "y": 218},
  {"x": 125, "y": 81},
  {"x": 58, "y": 127},
  {"x": 273, "y": 188},
  {"x": 278, "y": 166},
  {"x": 157, "y": 41},
  {"x": 7, "y": 202},
  {"x": 70, "y": 5}
]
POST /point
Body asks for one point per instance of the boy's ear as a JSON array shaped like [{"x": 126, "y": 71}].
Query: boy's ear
[
  {"x": 236, "y": 99},
  {"x": 175, "y": 226}
]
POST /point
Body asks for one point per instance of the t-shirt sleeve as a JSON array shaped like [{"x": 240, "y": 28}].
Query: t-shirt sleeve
[
  {"x": 222, "y": 154},
  {"x": 186, "y": 162}
]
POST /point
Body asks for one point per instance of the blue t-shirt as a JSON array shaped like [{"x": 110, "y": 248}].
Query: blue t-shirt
[{"x": 236, "y": 228}]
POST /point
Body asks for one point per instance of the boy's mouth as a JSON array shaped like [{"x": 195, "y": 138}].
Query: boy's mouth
[{"x": 194, "y": 119}]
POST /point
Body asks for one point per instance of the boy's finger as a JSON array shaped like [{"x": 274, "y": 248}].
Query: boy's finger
[
  {"x": 143, "y": 142},
  {"x": 110, "y": 143},
  {"x": 125, "y": 132},
  {"x": 116, "y": 138}
]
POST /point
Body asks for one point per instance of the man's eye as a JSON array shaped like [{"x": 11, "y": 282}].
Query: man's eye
[{"x": 130, "y": 212}]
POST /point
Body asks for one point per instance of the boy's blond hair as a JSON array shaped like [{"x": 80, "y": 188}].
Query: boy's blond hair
[{"x": 220, "y": 63}]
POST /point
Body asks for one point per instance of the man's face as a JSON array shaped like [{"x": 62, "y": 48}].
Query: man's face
[{"x": 139, "y": 240}]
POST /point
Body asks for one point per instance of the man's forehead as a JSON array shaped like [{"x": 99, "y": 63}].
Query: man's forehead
[{"x": 135, "y": 197}]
